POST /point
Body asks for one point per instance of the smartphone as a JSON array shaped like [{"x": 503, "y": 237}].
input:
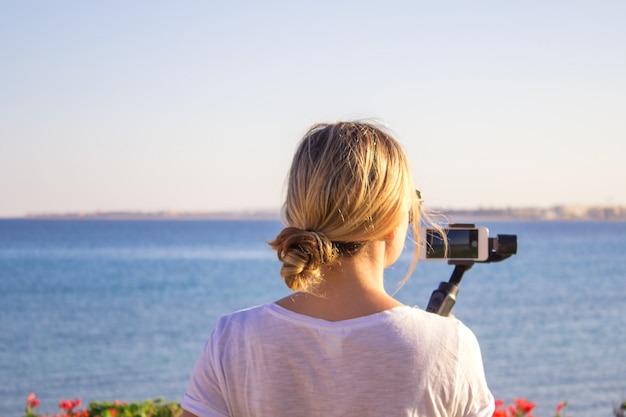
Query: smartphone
[{"x": 464, "y": 244}]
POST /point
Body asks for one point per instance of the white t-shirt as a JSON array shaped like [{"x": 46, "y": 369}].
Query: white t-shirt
[{"x": 269, "y": 361}]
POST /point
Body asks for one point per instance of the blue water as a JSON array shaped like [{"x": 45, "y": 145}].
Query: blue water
[{"x": 120, "y": 310}]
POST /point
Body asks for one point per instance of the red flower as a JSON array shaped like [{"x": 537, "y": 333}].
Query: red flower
[
  {"x": 560, "y": 408},
  {"x": 32, "y": 400},
  {"x": 500, "y": 412},
  {"x": 524, "y": 405},
  {"x": 69, "y": 405}
]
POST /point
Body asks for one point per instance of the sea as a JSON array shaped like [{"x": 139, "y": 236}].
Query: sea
[{"x": 120, "y": 310}]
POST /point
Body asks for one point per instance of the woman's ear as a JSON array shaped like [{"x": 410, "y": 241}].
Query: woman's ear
[{"x": 390, "y": 236}]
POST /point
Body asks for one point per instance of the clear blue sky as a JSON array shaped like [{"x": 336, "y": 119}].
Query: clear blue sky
[{"x": 198, "y": 105}]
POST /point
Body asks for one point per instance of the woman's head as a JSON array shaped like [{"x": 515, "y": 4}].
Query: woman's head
[{"x": 349, "y": 184}]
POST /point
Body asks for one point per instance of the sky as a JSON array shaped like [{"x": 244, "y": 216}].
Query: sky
[{"x": 199, "y": 105}]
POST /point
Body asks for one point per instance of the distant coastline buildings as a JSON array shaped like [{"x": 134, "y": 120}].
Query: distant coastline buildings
[{"x": 563, "y": 212}]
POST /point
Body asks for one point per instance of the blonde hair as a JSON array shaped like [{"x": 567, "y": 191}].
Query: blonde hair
[{"x": 349, "y": 183}]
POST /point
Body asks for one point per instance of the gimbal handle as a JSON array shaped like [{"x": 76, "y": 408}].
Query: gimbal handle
[{"x": 443, "y": 298}]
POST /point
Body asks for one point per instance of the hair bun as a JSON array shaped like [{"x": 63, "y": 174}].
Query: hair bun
[
  {"x": 302, "y": 253},
  {"x": 320, "y": 239}
]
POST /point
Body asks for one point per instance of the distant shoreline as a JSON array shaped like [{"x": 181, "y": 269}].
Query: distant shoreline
[
  {"x": 157, "y": 215},
  {"x": 556, "y": 213}
]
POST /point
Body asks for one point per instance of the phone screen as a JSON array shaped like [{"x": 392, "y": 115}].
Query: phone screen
[{"x": 462, "y": 244}]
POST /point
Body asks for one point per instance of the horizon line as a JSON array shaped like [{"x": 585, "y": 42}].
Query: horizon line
[{"x": 562, "y": 211}]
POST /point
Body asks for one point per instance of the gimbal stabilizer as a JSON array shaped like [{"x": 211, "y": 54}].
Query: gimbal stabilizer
[{"x": 443, "y": 298}]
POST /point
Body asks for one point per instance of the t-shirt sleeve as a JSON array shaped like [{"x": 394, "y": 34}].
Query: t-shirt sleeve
[
  {"x": 473, "y": 394},
  {"x": 204, "y": 396}
]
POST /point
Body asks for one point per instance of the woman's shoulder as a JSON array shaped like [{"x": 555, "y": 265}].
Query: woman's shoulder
[
  {"x": 406, "y": 320},
  {"x": 244, "y": 315},
  {"x": 429, "y": 324}
]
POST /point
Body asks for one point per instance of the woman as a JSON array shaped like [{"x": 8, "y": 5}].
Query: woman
[{"x": 340, "y": 345}]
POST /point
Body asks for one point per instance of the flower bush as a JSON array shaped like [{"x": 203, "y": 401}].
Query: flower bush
[
  {"x": 524, "y": 408},
  {"x": 521, "y": 407},
  {"x": 70, "y": 408}
]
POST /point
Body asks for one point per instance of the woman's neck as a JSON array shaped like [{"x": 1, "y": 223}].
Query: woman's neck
[{"x": 351, "y": 288}]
